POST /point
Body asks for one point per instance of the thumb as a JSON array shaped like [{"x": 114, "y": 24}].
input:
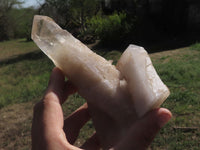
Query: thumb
[{"x": 143, "y": 131}]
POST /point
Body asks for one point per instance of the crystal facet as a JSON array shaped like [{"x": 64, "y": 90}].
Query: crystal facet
[{"x": 116, "y": 95}]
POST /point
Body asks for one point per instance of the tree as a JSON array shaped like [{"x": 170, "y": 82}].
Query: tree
[
  {"x": 22, "y": 22},
  {"x": 81, "y": 10},
  {"x": 70, "y": 14},
  {"x": 57, "y": 9},
  {"x": 5, "y": 25}
]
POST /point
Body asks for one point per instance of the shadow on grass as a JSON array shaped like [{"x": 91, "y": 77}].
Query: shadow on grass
[
  {"x": 169, "y": 43},
  {"x": 151, "y": 45},
  {"x": 28, "y": 56},
  {"x": 154, "y": 44}
]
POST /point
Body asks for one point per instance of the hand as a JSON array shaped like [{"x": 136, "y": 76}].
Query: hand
[{"x": 51, "y": 132}]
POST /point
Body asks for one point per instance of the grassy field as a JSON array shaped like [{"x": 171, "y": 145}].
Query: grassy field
[
  {"x": 16, "y": 47},
  {"x": 24, "y": 73},
  {"x": 180, "y": 70}
]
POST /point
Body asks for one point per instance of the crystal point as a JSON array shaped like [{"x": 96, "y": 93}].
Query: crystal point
[{"x": 116, "y": 95}]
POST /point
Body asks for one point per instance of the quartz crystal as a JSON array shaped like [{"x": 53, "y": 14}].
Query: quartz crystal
[{"x": 116, "y": 95}]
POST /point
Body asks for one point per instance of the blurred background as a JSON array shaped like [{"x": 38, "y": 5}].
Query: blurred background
[
  {"x": 168, "y": 29},
  {"x": 113, "y": 22}
]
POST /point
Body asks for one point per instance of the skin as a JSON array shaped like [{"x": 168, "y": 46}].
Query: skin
[{"x": 51, "y": 132}]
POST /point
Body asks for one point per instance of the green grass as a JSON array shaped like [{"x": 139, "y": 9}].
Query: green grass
[
  {"x": 182, "y": 76},
  {"x": 25, "y": 79},
  {"x": 16, "y": 47},
  {"x": 195, "y": 46}
]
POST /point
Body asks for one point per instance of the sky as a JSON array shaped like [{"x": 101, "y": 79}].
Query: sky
[{"x": 34, "y": 3}]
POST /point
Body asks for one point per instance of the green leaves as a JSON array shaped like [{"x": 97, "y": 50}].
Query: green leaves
[{"x": 110, "y": 29}]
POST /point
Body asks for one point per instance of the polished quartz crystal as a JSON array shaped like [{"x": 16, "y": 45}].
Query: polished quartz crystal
[{"x": 116, "y": 95}]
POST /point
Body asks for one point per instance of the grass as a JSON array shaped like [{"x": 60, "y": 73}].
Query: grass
[
  {"x": 24, "y": 80},
  {"x": 15, "y": 47},
  {"x": 181, "y": 73},
  {"x": 195, "y": 46}
]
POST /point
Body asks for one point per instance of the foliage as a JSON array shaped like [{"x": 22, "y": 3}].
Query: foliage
[
  {"x": 56, "y": 9},
  {"x": 81, "y": 10},
  {"x": 22, "y": 22},
  {"x": 86, "y": 19},
  {"x": 112, "y": 29},
  {"x": 15, "y": 22},
  {"x": 195, "y": 46},
  {"x": 6, "y": 22},
  {"x": 70, "y": 14},
  {"x": 80, "y": 17}
]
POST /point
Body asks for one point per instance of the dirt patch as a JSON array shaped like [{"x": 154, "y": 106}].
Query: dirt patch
[{"x": 15, "y": 126}]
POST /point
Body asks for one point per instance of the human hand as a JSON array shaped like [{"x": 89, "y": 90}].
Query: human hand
[{"x": 51, "y": 132}]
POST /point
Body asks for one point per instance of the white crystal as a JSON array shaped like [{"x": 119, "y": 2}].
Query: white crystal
[
  {"x": 116, "y": 97},
  {"x": 145, "y": 86}
]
